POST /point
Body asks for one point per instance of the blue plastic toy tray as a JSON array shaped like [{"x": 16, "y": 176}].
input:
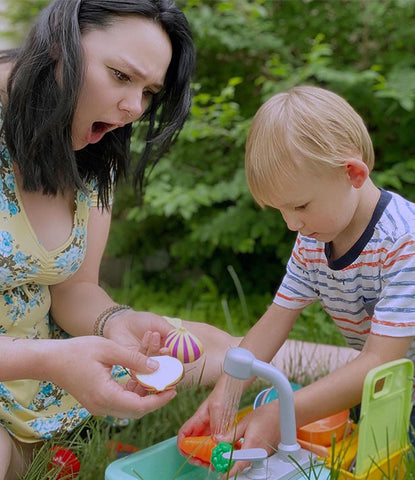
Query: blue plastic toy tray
[{"x": 158, "y": 462}]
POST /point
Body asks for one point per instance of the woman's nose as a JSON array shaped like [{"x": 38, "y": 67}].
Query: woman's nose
[{"x": 133, "y": 106}]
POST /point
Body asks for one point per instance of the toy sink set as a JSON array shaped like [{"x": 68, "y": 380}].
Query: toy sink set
[{"x": 372, "y": 451}]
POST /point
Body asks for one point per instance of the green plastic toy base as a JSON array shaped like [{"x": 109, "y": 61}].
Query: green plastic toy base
[
  {"x": 158, "y": 462},
  {"x": 385, "y": 411}
]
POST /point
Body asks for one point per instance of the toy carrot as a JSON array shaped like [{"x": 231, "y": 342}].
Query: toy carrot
[{"x": 201, "y": 447}]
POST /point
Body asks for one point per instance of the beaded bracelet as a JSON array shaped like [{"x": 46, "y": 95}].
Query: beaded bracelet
[{"x": 104, "y": 316}]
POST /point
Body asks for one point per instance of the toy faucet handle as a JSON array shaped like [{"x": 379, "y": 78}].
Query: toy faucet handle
[{"x": 258, "y": 458}]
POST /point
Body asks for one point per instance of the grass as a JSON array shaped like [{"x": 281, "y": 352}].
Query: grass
[{"x": 91, "y": 442}]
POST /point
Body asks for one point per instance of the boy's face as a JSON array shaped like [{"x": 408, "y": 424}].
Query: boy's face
[{"x": 321, "y": 205}]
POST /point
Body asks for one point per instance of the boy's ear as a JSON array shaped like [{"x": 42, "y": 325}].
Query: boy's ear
[{"x": 357, "y": 171}]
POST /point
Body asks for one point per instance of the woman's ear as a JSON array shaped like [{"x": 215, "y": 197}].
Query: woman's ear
[{"x": 357, "y": 172}]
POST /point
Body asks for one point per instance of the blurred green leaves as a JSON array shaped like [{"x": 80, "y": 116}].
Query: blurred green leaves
[{"x": 197, "y": 208}]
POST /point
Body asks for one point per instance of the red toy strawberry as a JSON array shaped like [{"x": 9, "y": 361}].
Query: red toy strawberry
[{"x": 66, "y": 462}]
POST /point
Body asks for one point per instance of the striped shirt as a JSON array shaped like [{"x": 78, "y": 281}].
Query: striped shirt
[{"x": 371, "y": 288}]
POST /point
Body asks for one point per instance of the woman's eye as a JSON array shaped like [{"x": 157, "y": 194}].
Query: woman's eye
[
  {"x": 148, "y": 93},
  {"x": 120, "y": 75},
  {"x": 301, "y": 207}
]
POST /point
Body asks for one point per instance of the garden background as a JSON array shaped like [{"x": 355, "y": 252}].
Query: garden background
[
  {"x": 199, "y": 242},
  {"x": 199, "y": 247}
]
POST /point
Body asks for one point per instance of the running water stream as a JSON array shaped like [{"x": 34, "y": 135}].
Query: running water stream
[{"x": 226, "y": 419}]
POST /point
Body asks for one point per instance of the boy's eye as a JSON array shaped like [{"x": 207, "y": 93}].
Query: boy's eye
[{"x": 301, "y": 207}]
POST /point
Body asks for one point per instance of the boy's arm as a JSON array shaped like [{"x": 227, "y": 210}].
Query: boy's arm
[
  {"x": 263, "y": 339},
  {"x": 266, "y": 337},
  {"x": 343, "y": 388}
]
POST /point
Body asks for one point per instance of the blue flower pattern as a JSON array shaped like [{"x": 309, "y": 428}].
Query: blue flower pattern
[
  {"x": 58, "y": 424},
  {"x": 26, "y": 270}
]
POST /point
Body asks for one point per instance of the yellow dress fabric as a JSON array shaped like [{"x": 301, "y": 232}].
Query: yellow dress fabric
[{"x": 32, "y": 410}]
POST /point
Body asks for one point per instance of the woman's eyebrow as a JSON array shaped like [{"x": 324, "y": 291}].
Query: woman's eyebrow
[{"x": 138, "y": 72}]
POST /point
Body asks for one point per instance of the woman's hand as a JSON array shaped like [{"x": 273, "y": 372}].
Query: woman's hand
[{"x": 83, "y": 365}]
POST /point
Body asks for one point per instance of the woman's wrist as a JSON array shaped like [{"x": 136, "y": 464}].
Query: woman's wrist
[{"x": 108, "y": 314}]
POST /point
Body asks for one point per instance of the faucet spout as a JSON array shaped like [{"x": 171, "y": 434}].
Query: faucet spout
[{"x": 242, "y": 364}]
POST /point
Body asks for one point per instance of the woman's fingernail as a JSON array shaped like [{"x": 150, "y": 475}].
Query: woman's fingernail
[{"x": 153, "y": 364}]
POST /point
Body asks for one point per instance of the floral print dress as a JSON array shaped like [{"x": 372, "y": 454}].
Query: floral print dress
[{"x": 32, "y": 410}]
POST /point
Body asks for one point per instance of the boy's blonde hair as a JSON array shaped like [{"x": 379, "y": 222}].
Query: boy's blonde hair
[{"x": 304, "y": 127}]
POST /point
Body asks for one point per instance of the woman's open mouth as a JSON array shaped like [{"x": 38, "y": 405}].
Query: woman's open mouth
[{"x": 98, "y": 130}]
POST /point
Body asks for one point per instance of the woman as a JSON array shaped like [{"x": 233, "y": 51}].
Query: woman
[{"x": 69, "y": 95}]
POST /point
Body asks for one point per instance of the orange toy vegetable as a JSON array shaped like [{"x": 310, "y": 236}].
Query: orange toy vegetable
[{"x": 201, "y": 447}]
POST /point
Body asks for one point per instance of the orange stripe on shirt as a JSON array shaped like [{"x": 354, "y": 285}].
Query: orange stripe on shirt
[
  {"x": 311, "y": 250},
  {"x": 361, "y": 264},
  {"x": 375, "y": 252},
  {"x": 348, "y": 320},
  {"x": 357, "y": 332},
  {"x": 292, "y": 299},
  {"x": 394, "y": 252},
  {"x": 393, "y": 324},
  {"x": 307, "y": 261},
  {"x": 399, "y": 259},
  {"x": 300, "y": 260}
]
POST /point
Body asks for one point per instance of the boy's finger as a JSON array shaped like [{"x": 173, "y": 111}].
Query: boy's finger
[{"x": 134, "y": 360}]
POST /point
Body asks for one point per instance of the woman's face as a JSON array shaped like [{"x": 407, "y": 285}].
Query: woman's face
[{"x": 125, "y": 64}]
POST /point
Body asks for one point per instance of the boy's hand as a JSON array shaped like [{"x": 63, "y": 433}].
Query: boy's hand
[
  {"x": 151, "y": 345},
  {"x": 206, "y": 420},
  {"x": 259, "y": 429},
  {"x": 142, "y": 330}
]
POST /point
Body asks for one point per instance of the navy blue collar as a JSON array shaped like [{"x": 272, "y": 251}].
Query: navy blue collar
[{"x": 353, "y": 253}]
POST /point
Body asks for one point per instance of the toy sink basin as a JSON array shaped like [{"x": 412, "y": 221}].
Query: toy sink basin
[
  {"x": 163, "y": 462},
  {"x": 158, "y": 462}
]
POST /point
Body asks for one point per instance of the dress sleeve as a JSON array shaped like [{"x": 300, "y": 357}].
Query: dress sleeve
[{"x": 93, "y": 195}]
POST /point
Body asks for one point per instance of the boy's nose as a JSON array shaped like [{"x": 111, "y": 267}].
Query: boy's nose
[{"x": 294, "y": 223}]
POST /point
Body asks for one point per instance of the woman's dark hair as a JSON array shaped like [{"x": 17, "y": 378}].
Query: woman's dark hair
[{"x": 38, "y": 114}]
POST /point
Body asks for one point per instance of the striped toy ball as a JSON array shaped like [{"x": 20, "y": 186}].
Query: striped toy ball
[
  {"x": 270, "y": 394},
  {"x": 183, "y": 345}
]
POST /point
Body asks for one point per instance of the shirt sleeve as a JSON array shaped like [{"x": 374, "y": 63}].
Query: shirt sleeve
[
  {"x": 297, "y": 290},
  {"x": 394, "y": 313}
]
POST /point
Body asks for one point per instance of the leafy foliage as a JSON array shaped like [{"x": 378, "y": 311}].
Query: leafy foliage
[
  {"x": 248, "y": 50},
  {"x": 198, "y": 216}
]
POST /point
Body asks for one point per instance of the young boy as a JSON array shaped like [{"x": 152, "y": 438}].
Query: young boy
[{"x": 309, "y": 155}]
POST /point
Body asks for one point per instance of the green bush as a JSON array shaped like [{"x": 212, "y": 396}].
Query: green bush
[
  {"x": 198, "y": 210},
  {"x": 198, "y": 216}
]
